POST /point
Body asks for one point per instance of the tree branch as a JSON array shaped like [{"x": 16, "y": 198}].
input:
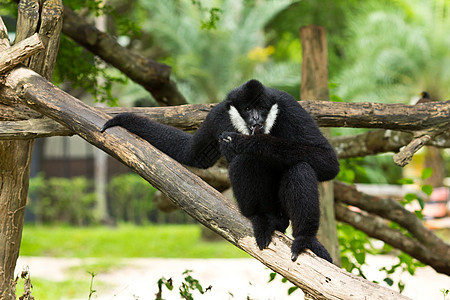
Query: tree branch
[
  {"x": 438, "y": 252},
  {"x": 376, "y": 227},
  {"x": 16, "y": 54},
  {"x": 189, "y": 117},
  {"x": 153, "y": 76},
  {"x": 379, "y": 141},
  {"x": 317, "y": 277}
]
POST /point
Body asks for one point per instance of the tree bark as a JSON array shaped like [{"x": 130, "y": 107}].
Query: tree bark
[
  {"x": 379, "y": 141},
  {"x": 19, "y": 52},
  {"x": 314, "y": 85},
  {"x": 15, "y": 159},
  {"x": 315, "y": 276},
  {"x": 189, "y": 117}
]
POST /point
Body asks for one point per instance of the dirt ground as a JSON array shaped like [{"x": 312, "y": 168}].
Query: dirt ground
[{"x": 228, "y": 278}]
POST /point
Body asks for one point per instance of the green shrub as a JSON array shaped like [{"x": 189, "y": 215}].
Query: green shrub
[
  {"x": 131, "y": 199},
  {"x": 62, "y": 200}
]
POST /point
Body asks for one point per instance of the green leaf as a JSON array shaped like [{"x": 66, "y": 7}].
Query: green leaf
[
  {"x": 272, "y": 276},
  {"x": 419, "y": 214},
  {"x": 427, "y": 173},
  {"x": 410, "y": 197},
  {"x": 427, "y": 189},
  {"x": 389, "y": 281},
  {"x": 360, "y": 258},
  {"x": 336, "y": 98},
  {"x": 292, "y": 289},
  {"x": 421, "y": 202}
]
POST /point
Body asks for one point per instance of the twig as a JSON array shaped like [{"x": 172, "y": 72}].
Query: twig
[{"x": 405, "y": 155}]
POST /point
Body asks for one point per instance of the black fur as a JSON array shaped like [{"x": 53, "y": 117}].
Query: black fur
[{"x": 274, "y": 176}]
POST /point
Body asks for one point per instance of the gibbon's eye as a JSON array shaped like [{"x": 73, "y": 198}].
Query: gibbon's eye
[{"x": 247, "y": 108}]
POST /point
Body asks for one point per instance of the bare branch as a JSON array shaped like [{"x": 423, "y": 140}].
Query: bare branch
[
  {"x": 189, "y": 117},
  {"x": 14, "y": 55},
  {"x": 392, "y": 210},
  {"x": 153, "y": 76},
  {"x": 380, "y": 141},
  {"x": 405, "y": 155},
  {"x": 376, "y": 227}
]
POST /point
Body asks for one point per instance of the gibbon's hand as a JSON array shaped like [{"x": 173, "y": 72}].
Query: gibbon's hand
[{"x": 229, "y": 142}]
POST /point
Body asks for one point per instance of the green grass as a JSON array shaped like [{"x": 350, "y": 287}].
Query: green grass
[
  {"x": 47, "y": 290},
  {"x": 166, "y": 241},
  {"x": 107, "y": 246}
]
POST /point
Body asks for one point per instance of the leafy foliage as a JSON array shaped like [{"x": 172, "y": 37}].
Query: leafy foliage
[
  {"x": 397, "y": 51},
  {"x": 62, "y": 200},
  {"x": 186, "y": 288},
  {"x": 83, "y": 70},
  {"x": 209, "y": 63},
  {"x": 71, "y": 201}
]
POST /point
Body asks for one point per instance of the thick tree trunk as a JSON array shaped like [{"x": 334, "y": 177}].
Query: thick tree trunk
[
  {"x": 15, "y": 155},
  {"x": 314, "y": 85},
  {"x": 15, "y": 159},
  {"x": 318, "y": 278}
]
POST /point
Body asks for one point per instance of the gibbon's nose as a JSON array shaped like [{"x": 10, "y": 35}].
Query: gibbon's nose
[
  {"x": 255, "y": 117},
  {"x": 256, "y": 122}
]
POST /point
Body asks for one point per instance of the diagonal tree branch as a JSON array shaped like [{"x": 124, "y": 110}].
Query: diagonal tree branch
[
  {"x": 153, "y": 76},
  {"x": 19, "y": 52}
]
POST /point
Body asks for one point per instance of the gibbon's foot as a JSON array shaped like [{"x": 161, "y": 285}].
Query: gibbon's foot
[
  {"x": 263, "y": 230},
  {"x": 301, "y": 243}
]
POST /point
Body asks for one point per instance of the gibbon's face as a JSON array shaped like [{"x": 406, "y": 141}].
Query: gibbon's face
[
  {"x": 252, "y": 108},
  {"x": 253, "y": 118}
]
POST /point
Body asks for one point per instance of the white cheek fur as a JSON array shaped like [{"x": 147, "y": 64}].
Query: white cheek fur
[
  {"x": 271, "y": 118},
  {"x": 238, "y": 122}
]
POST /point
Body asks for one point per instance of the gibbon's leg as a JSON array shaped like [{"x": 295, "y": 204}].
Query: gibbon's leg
[
  {"x": 299, "y": 196},
  {"x": 255, "y": 187}
]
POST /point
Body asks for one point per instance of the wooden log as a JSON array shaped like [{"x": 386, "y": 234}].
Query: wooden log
[
  {"x": 21, "y": 51},
  {"x": 189, "y": 117},
  {"x": 314, "y": 85},
  {"x": 315, "y": 276}
]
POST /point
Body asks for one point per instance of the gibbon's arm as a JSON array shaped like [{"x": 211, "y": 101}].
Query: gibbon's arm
[
  {"x": 284, "y": 152},
  {"x": 199, "y": 150}
]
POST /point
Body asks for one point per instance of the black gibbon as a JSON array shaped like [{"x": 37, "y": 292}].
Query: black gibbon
[{"x": 276, "y": 156}]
